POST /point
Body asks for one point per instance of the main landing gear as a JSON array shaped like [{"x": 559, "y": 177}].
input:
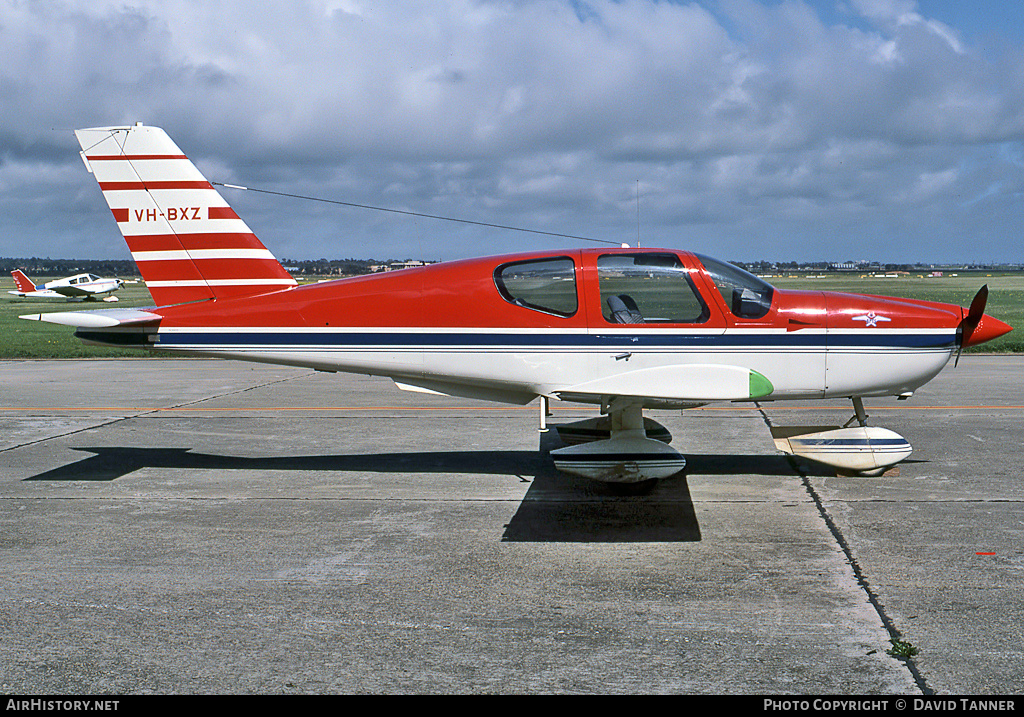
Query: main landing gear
[{"x": 620, "y": 447}]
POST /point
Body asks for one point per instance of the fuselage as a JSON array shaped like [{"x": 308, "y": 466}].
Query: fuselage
[
  {"x": 511, "y": 328},
  {"x": 83, "y": 285}
]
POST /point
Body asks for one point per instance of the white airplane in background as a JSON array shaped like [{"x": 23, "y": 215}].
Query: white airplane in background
[{"x": 79, "y": 286}]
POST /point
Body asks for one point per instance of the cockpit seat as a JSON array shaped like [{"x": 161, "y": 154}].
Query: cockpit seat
[{"x": 624, "y": 310}]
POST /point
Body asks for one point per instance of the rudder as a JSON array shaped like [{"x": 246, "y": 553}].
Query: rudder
[{"x": 188, "y": 243}]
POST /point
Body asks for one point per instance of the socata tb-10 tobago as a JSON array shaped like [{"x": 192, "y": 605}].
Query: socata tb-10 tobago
[{"x": 624, "y": 328}]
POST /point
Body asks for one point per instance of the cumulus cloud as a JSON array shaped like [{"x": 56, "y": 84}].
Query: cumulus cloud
[{"x": 748, "y": 128}]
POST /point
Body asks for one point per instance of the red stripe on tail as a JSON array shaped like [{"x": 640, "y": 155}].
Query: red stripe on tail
[{"x": 162, "y": 203}]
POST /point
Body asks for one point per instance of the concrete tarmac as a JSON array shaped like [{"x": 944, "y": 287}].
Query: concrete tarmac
[{"x": 194, "y": 526}]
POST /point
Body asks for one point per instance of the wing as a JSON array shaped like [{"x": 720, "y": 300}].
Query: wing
[{"x": 69, "y": 291}]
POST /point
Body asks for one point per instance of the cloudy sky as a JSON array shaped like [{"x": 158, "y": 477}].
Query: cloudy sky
[{"x": 748, "y": 129}]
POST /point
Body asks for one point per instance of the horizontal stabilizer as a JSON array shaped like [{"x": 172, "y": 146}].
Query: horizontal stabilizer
[
  {"x": 697, "y": 382},
  {"x": 101, "y": 318}
]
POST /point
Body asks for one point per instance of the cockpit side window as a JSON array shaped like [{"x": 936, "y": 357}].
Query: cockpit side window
[
  {"x": 648, "y": 288},
  {"x": 546, "y": 285},
  {"x": 746, "y": 296}
]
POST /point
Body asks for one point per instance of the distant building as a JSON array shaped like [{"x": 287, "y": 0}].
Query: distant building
[
  {"x": 396, "y": 265},
  {"x": 408, "y": 264}
]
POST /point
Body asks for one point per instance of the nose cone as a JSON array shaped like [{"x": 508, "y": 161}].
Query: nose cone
[{"x": 987, "y": 329}]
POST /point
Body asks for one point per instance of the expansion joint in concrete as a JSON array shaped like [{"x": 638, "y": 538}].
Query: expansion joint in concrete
[{"x": 862, "y": 581}]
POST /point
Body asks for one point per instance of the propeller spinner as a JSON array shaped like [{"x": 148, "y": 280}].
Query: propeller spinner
[{"x": 977, "y": 327}]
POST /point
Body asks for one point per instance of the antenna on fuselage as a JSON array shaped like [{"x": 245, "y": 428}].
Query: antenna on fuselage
[
  {"x": 412, "y": 214},
  {"x": 638, "y": 214}
]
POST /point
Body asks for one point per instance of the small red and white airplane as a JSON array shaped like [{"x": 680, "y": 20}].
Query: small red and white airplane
[
  {"x": 622, "y": 328},
  {"x": 79, "y": 286}
]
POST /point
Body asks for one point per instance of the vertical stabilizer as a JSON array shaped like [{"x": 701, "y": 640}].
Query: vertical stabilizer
[
  {"x": 188, "y": 243},
  {"x": 22, "y": 281}
]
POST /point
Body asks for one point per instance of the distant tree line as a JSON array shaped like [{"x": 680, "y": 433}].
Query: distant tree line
[
  {"x": 37, "y": 266},
  {"x": 761, "y": 267},
  {"x": 65, "y": 267}
]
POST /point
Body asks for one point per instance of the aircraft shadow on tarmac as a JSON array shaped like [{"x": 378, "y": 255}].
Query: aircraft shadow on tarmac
[{"x": 556, "y": 508}]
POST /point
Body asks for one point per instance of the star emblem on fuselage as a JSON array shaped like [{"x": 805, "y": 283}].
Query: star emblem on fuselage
[{"x": 871, "y": 318}]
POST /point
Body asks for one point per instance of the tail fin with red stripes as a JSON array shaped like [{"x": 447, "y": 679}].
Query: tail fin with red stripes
[{"x": 188, "y": 243}]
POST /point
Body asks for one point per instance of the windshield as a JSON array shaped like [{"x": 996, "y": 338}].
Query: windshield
[{"x": 746, "y": 296}]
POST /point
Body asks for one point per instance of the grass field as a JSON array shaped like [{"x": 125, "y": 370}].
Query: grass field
[
  {"x": 1005, "y": 296},
  {"x": 36, "y": 339}
]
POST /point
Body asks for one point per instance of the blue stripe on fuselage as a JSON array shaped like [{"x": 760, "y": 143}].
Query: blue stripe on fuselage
[{"x": 541, "y": 340}]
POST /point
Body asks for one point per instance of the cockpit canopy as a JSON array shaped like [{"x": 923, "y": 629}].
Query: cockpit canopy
[
  {"x": 642, "y": 287},
  {"x": 83, "y": 279}
]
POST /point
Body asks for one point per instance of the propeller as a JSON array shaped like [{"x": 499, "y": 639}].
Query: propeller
[{"x": 971, "y": 321}]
